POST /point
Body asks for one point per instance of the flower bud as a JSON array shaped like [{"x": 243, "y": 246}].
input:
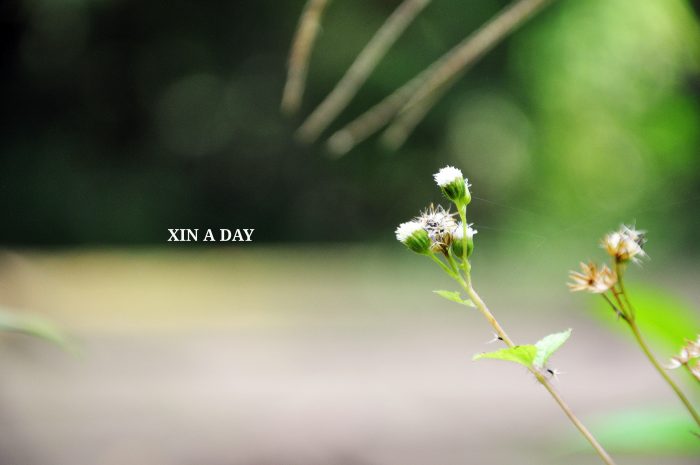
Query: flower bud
[
  {"x": 453, "y": 185},
  {"x": 413, "y": 236},
  {"x": 458, "y": 243}
]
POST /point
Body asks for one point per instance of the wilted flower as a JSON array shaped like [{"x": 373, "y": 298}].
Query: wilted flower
[
  {"x": 458, "y": 235},
  {"x": 592, "y": 279},
  {"x": 439, "y": 224},
  {"x": 413, "y": 236},
  {"x": 625, "y": 244},
  {"x": 453, "y": 185},
  {"x": 688, "y": 356}
]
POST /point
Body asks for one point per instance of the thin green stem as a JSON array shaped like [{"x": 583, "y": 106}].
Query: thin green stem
[
  {"x": 444, "y": 267},
  {"x": 618, "y": 311},
  {"x": 463, "y": 217},
  {"x": 645, "y": 348},
  {"x": 481, "y": 306},
  {"x": 618, "y": 273},
  {"x": 647, "y": 351},
  {"x": 623, "y": 309}
]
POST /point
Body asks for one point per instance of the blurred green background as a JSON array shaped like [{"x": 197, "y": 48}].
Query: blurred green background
[
  {"x": 321, "y": 343},
  {"x": 122, "y": 119}
]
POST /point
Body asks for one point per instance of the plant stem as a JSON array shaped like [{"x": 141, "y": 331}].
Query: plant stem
[
  {"x": 618, "y": 273},
  {"x": 440, "y": 72},
  {"x": 406, "y": 121},
  {"x": 298, "y": 65},
  {"x": 618, "y": 311},
  {"x": 662, "y": 372},
  {"x": 631, "y": 321},
  {"x": 605, "y": 457},
  {"x": 360, "y": 69},
  {"x": 481, "y": 306},
  {"x": 445, "y": 268}
]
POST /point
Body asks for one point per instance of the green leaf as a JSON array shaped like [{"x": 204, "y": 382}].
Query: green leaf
[
  {"x": 524, "y": 355},
  {"x": 454, "y": 297},
  {"x": 33, "y": 326},
  {"x": 548, "y": 345}
]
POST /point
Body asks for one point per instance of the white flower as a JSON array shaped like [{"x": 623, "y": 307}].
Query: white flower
[
  {"x": 414, "y": 236},
  {"x": 453, "y": 186},
  {"x": 625, "y": 244},
  {"x": 458, "y": 232},
  {"x": 689, "y": 352},
  {"x": 405, "y": 230},
  {"x": 447, "y": 175}
]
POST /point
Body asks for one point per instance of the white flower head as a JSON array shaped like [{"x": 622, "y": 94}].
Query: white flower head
[
  {"x": 405, "y": 230},
  {"x": 453, "y": 186},
  {"x": 414, "y": 236},
  {"x": 447, "y": 175},
  {"x": 458, "y": 233},
  {"x": 689, "y": 357},
  {"x": 458, "y": 240},
  {"x": 625, "y": 244}
]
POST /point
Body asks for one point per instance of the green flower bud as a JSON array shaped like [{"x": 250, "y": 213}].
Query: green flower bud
[
  {"x": 413, "y": 236},
  {"x": 458, "y": 243},
  {"x": 453, "y": 185}
]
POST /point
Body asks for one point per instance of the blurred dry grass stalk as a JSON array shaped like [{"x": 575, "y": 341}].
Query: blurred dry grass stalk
[
  {"x": 309, "y": 25},
  {"x": 408, "y": 104}
]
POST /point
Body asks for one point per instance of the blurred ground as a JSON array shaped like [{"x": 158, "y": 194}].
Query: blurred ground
[{"x": 337, "y": 356}]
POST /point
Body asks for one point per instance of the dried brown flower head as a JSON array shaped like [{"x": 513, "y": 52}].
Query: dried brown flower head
[
  {"x": 625, "y": 244},
  {"x": 592, "y": 279},
  {"x": 439, "y": 224},
  {"x": 689, "y": 357}
]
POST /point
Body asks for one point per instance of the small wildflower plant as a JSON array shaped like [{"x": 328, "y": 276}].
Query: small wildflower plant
[
  {"x": 446, "y": 238},
  {"x": 625, "y": 246}
]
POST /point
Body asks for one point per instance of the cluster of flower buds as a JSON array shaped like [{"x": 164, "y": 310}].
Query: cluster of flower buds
[
  {"x": 624, "y": 245},
  {"x": 688, "y": 357},
  {"x": 437, "y": 229}
]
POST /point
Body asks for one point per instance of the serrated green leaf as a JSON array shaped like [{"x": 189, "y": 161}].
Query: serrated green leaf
[
  {"x": 548, "y": 345},
  {"x": 33, "y": 326},
  {"x": 454, "y": 296},
  {"x": 524, "y": 355}
]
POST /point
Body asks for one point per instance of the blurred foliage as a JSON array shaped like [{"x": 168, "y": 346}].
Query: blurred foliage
[
  {"x": 124, "y": 118},
  {"x": 35, "y": 326},
  {"x": 654, "y": 431},
  {"x": 665, "y": 319}
]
